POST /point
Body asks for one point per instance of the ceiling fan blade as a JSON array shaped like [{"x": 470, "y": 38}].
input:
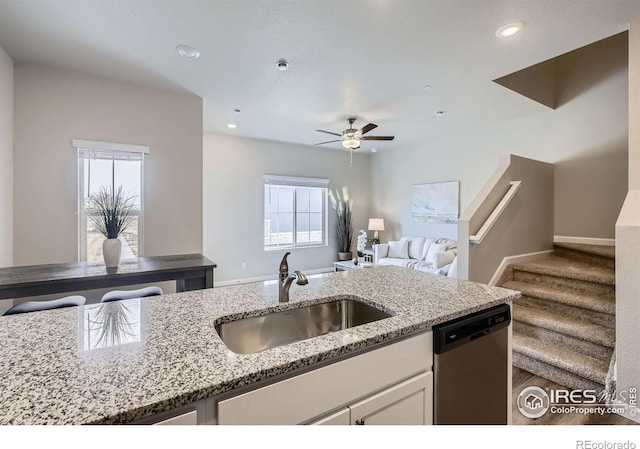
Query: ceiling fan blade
[
  {"x": 328, "y": 132},
  {"x": 366, "y": 128},
  {"x": 331, "y": 141},
  {"x": 377, "y": 138}
]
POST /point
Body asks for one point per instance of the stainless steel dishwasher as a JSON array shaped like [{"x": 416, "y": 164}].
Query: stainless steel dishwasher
[{"x": 470, "y": 368}]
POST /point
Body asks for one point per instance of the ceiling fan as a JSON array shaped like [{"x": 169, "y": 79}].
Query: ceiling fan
[{"x": 351, "y": 137}]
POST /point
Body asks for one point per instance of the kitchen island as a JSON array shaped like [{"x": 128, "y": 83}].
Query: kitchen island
[{"x": 59, "y": 368}]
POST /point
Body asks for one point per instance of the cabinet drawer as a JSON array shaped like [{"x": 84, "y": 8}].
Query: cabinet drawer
[
  {"x": 304, "y": 397},
  {"x": 409, "y": 402},
  {"x": 341, "y": 418}
]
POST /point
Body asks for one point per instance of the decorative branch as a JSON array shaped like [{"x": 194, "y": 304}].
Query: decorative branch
[
  {"x": 111, "y": 211},
  {"x": 344, "y": 227}
]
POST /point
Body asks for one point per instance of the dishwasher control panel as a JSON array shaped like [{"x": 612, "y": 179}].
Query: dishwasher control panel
[{"x": 453, "y": 333}]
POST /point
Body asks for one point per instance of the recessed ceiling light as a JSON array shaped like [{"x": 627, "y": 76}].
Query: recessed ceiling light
[
  {"x": 440, "y": 113},
  {"x": 232, "y": 125},
  {"x": 373, "y": 150},
  {"x": 282, "y": 65},
  {"x": 187, "y": 52},
  {"x": 509, "y": 29}
]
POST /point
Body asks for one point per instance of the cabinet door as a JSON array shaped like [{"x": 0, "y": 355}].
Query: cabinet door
[
  {"x": 186, "y": 419},
  {"x": 409, "y": 402},
  {"x": 340, "y": 418}
]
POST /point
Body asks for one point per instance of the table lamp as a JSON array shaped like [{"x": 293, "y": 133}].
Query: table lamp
[{"x": 376, "y": 224}]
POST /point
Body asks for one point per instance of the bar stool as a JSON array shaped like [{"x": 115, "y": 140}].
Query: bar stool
[
  {"x": 118, "y": 295},
  {"x": 36, "y": 306}
]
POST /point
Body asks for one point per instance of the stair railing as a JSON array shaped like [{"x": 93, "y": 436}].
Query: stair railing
[{"x": 497, "y": 211}]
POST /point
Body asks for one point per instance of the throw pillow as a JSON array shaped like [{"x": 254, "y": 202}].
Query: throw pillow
[
  {"x": 425, "y": 249},
  {"x": 444, "y": 270},
  {"x": 432, "y": 254},
  {"x": 416, "y": 246},
  {"x": 453, "y": 270},
  {"x": 444, "y": 258},
  {"x": 399, "y": 249}
]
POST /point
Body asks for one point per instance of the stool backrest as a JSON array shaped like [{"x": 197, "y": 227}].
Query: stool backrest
[
  {"x": 36, "y": 306},
  {"x": 118, "y": 295}
]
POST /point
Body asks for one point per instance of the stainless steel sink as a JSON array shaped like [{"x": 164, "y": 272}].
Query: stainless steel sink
[{"x": 255, "y": 334}]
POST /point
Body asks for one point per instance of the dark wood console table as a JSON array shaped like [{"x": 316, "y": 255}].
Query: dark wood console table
[{"x": 190, "y": 271}]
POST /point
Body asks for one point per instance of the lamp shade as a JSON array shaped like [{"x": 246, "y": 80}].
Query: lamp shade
[{"x": 376, "y": 224}]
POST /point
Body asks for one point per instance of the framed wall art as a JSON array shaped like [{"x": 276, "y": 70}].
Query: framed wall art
[{"x": 436, "y": 202}]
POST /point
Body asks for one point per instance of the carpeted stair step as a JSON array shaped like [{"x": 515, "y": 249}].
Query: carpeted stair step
[
  {"x": 566, "y": 325},
  {"x": 554, "y": 374},
  {"x": 554, "y": 360},
  {"x": 567, "y": 274},
  {"x": 600, "y": 255},
  {"x": 569, "y": 269},
  {"x": 563, "y": 312},
  {"x": 570, "y": 342},
  {"x": 596, "y": 303}
]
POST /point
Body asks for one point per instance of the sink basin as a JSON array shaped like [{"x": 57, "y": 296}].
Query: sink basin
[{"x": 255, "y": 334}]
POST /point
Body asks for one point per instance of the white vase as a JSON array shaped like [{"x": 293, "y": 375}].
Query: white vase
[{"x": 112, "y": 251}]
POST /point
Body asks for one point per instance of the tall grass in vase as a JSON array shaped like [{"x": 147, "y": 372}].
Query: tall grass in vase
[
  {"x": 344, "y": 228},
  {"x": 110, "y": 211}
]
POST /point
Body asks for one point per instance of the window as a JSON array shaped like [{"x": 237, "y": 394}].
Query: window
[
  {"x": 107, "y": 165},
  {"x": 295, "y": 212}
]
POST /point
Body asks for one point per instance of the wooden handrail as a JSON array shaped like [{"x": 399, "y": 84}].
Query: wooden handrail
[{"x": 491, "y": 220}]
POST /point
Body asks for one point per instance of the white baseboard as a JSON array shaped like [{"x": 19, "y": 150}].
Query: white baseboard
[
  {"x": 270, "y": 277},
  {"x": 516, "y": 259},
  {"x": 584, "y": 240}
]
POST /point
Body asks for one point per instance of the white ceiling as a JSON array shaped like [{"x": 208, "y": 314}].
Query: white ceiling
[{"x": 366, "y": 58}]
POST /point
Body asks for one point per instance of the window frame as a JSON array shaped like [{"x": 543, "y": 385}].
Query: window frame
[
  {"x": 295, "y": 183},
  {"x": 83, "y": 212}
]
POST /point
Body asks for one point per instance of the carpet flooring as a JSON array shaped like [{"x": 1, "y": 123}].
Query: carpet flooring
[{"x": 564, "y": 324}]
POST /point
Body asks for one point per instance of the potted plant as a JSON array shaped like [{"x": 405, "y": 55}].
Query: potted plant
[
  {"x": 344, "y": 227},
  {"x": 110, "y": 212}
]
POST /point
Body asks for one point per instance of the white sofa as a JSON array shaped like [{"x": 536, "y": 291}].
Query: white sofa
[{"x": 438, "y": 256}]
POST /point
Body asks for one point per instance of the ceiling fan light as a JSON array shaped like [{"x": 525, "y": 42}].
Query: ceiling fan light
[{"x": 351, "y": 143}]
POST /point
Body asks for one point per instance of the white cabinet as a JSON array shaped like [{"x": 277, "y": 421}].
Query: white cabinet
[
  {"x": 372, "y": 385},
  {"x": 409, "y": 402},
  {"x": 340, "y": 418},
  {"x": 186, "y": 419},
  {"x": 196, "y": 413}
]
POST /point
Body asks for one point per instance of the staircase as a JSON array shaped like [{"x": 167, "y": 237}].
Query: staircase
[{"x": 564, "y": 324}]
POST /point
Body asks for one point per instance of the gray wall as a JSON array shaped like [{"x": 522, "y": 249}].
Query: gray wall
[
  {"x": 233, "y": 201},
  {"x": 585, "y": 137},
  {"x": 6, "y": 160},
  {"x": 525, "y": 226},
  {"x": 52, "y": 107},
  {"x": 628, "y": 239}
]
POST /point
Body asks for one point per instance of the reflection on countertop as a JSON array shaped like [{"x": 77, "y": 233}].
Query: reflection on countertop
[{"x": 110, "y": 324}]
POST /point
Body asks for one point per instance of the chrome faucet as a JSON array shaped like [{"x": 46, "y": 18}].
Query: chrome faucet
[{"x": 286, "y": 279}]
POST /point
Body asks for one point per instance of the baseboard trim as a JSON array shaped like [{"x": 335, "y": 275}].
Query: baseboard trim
[
  {"x": 270, "y": 277},
  {"x": 584, "y": 240},
  {"x": 519, "y": 258}
]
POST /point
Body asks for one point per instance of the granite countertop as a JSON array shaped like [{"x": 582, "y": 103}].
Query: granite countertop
[{"x": 122, "y": 361}]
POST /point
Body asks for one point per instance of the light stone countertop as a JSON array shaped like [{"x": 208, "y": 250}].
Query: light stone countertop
[{"x": 67, "y": 366}]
